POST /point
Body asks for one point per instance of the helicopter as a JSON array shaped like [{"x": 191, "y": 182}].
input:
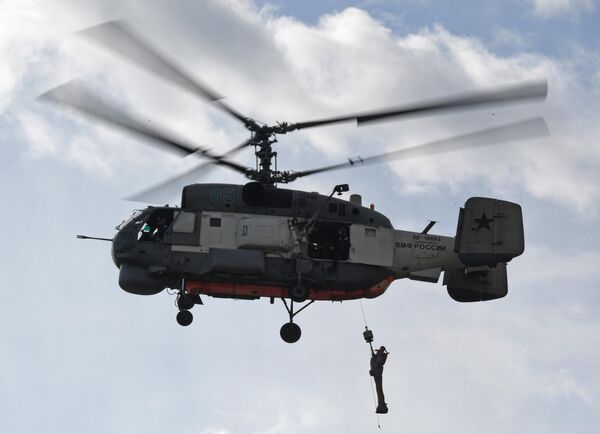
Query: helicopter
[{"x": 260, "y": 240}]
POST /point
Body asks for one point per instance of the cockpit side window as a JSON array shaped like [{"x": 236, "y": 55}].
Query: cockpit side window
[{"x": 185, "y": 222}]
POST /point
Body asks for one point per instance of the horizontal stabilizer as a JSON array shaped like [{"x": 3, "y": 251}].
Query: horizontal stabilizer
[{"x": 430, "y": 275}]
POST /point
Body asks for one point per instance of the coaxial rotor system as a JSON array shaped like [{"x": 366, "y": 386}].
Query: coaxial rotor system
[{"x": 123, "y": 40}]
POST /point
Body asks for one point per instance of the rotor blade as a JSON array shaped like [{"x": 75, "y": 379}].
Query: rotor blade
[
  {"x": 530, "y": 128},
  {"x": 520, "y": 92},
  {"x": 71, "y": 94},
  {"x": 166, "y": 190},
  {"x": 120, "y": 38}
]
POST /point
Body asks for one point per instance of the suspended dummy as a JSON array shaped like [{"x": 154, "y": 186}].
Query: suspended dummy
[{"x": 378, "y": 359}]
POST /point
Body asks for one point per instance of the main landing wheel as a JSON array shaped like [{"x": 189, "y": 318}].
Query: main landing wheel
[
  {"x": 290, "y": 332},
  {"x": 184, "y": 318}
]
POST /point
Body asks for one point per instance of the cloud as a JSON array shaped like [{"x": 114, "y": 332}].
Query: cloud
[
  {"x": 276, "y": 68},
  {"x": 381, "y": 68},
  {"x": 504, "y": 37},
  {"x": 213, "y": 431},
  {"x": 39, "y": 134},
  {"x": 564, "y": 383},
  {"x": 19, "y": 53},
  {"x": 553, "y": 8}
]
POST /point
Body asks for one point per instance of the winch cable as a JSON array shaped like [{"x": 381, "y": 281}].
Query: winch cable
[{"x": 370, "y": 380}]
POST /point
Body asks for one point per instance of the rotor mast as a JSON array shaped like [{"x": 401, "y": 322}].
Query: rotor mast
[
  {"x": 263, "y": 140},
  {"x": 263, "y": 137}
]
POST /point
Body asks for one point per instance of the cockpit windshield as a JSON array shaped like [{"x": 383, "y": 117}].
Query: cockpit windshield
[{"x": 139, "y": 217}]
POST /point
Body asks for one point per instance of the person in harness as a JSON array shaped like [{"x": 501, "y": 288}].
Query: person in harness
[{"x": 378, "y": 359}]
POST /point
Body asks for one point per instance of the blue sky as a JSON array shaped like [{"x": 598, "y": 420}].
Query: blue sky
[
  {"x": 81, "y": 355},
  {"x": 535, "y": 22}
]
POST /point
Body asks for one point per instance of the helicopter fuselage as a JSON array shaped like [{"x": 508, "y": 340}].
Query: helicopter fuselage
[{"x": 222, "y": 243}]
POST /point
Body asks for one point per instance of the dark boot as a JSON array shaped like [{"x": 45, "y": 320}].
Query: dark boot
[{"x": 382, "y": 409}]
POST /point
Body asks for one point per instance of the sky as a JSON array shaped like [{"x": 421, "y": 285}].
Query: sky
[{"x": 81, "y": 355}]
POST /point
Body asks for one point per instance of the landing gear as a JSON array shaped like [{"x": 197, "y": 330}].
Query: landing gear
[
  {"x": 185, "y": 302},
  {"x": 290, "y": 332}
]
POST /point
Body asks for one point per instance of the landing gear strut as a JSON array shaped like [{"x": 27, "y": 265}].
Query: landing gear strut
[
  {"x": 290, "y": 332},
  {"x": 185, "y": 302}
]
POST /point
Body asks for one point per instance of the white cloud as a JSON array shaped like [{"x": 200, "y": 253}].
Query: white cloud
[
  {"x": 552, "y": 8},
  {"x": 213, "y": 431},
  {"x": 348, "y": 62},
  {"x": 323, "y": 60},
  {"x": 505, "y": 37},
  {"x": 39, "y": 134},
  {"x": 20, "y": 53},
  {"x": 564, "y": 383}
]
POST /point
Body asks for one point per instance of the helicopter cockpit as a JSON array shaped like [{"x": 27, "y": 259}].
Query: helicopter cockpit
[
  {"x": 169, "y": 225},
  {"x": 156, "y": 225}
]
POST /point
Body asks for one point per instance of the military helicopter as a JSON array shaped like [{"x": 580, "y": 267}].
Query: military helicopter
[{"x": 259, "y": 240}]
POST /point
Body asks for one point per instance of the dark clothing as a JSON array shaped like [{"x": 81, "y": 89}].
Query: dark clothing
[
  {"x": 160, "y": 232},
  {"x": 377, "y": 361}
]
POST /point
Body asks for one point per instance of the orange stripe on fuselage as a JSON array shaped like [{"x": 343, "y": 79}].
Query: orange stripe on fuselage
[{"x": 252, "y": 290}]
